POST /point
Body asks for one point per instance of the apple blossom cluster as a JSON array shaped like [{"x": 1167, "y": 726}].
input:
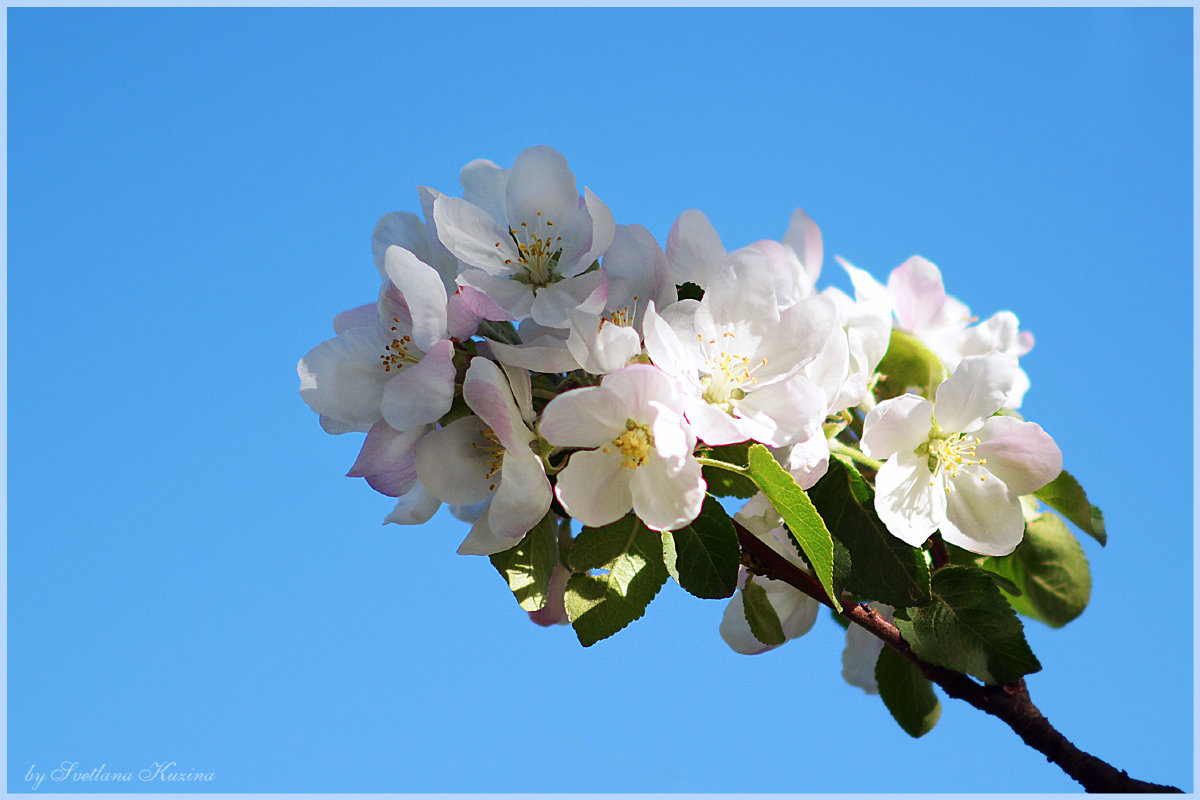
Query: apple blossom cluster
[{"x": 528, "y": 362}]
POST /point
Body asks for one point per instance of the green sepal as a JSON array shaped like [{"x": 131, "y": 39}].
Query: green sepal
[
  {"x": 724, "y": 483},
  {"x": 761, "y": 615},
  {"x": 1065, "y": 495},
  {"x": 1049, "y": 571},
  {"x": 803, "y": 522},
  {"x": 703, "y": 556},
  {"x": 881, "y": 566},
  {"x": 907, "y": 693},
  {"x": 600, "y": 605},
  {"x": 528, "y": 567},
  {"x": 907, "y": 364},
  {"x": 969, "y": 627}
]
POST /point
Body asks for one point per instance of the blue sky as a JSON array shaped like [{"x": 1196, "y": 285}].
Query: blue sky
[{"x": 191, "y": 195}]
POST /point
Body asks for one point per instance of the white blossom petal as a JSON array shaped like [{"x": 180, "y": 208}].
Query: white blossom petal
[
  {"x": 908, "y": 499},
  {"x": 982, "y": 514},
  {"x": 1019, "y": 453},
  {"x": 897, "y": 425},
  {"x": 974, "y": 392},
  {"x": 424, "y": 293},
  {"x": 422, "y": 392},
  {"x": 454, "y": 462},
  {"x": 594, "y": 487}
]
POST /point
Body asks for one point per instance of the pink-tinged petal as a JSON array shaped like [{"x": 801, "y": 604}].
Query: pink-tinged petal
[
  {"x": 414, "y": 507},
  {"x": 917, "y": 294},
  {"x": 483, "y": 185},
  {"x": 479, "y": 304},
  {"x": 513, "y": 297},
  {"x": 343, "y": 378},
  {"x": 736, "y": 631},
  {"x": 472, "y": 235},
  {"x": 909, "y": 501},
  {"x": 522, "y": 388},
  {"x": 804, "y": 237},
  {"x": 982, "y": 514},
  {"x": 555, "y": 610},
  {"x": 421, "y": 393},
  {"x": 791, "y": 282},
  {"x": 388, "y": 459},
  {"x": 594, "y": 487},
  {"x": 544, "y": 354},
  {"x": 975, "y": 391},
  {"x": 897, "y": 425},
  {"x": 800, "y": 336},
  {"x": 665, "y": 499},
  {"x": 365, "y": 316},
  {"x": 637, "y": 272},
  {"x": 585, "y": 417},
  {"x": 454, "y": 462},
  {"x": 1019, "y": 453},
  {"x": 423, "y": 292},
  {"x": 522, "y": 498},
  {"x": 400, "y": 228},
  {"x": 585, "y": 293},
  {"x": 485, "y": 389},
  {"x": 540, "y": 181},
  {"x": 694, "y": 249},
  {"x": 792, "y": 410}
]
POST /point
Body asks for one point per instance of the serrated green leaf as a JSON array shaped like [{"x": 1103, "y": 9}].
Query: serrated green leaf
[
  {"x": 882, "y": 567},
  {"x": 761, "y": 615},
  {"x": 908, "y": 363},
  {"x": 805, "y": 524},
  {"x": 703, "y": 556},
  {"x": 600, "y": 605},
  {"x": 969, "y": 627},
  {"x": 1050, "y": 571},
  {"x": 1065, "y": 495},
  {"x": 907, "y": 693},
  {"x": 529, "y": 566}
]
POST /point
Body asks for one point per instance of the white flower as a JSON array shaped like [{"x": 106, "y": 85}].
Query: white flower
[
  {"x": 640, "y": 450},
  {"x": 740, "y": 358},
  {"x": 531, "y": 252},
  {"x": 398, "y": 367},
  {"x": 487, "y": 458},
  {"x": 797, "y": 611},
  {"x": 637, "y": 276},
  {"x": 951, "y": 465}
]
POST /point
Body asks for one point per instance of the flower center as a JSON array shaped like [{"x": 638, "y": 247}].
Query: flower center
[
  {"x": 727, "y": 374},
  {"x": 634, "y": 444},
  {"x": 494, "y": 451},
  {"x": 622, "y": 317},
  {"x": 953, "y": 452},
  {"x": 538, "y": 252},
  {"x": 400, "y": 352}
]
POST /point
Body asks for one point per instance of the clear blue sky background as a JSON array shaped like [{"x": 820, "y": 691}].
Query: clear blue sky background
[{"x": 191, "y": 198}]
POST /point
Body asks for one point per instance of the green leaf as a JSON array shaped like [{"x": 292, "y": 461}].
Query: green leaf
[
  {"x": 1050, "y": 572},
  {"x": 600, "y": 605},
  {"x": 724, "y": 483},
  {"x": 761, "y": 615},
  {"x": 882, "y": 567},
  {"x": 528, "y": 566},
  {"x": 1064, "y": 494},
  {"x": 907, "y": 693},
  {"x": 969, "y": 628},
  {"x": 689, "y": 291},
  {"x": 805, "y": 524},
  {"x": 908, "y": 363},
  {"x": 703, "y": 557}
]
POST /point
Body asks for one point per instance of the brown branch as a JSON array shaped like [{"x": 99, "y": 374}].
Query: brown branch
[{"x": 1009, "y": 703}]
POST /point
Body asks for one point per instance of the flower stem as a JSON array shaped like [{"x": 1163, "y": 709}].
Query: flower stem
[{"x": 856, "y": 455}]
